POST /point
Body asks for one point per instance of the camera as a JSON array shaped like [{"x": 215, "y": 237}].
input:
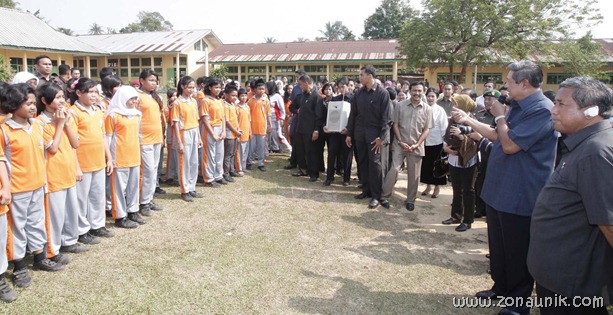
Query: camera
[
  {"x": 504, "y": 99},
  {"x": 465, "y": 129}
]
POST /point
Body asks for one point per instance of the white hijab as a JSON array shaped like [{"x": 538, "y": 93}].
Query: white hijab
[
  {"x": 119, "y": 100},
  {"x": 24, "y": 77}
]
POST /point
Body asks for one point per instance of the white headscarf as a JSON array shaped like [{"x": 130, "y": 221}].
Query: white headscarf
[
  {"x": 119, "y": 100},
  {"x": 24, "y": 77}
]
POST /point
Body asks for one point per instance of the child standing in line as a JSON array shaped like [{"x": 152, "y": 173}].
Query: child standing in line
[
  {"x": 244, "y": 126},
  {"x": 123, "y": 125},
  {"x": 152, "y": 138},
  {"x": 171, "y": 144},
  {"x": 61, "y": 203},
  {"x": 94, "y": 161},
  {"x": 232, "y": 132},
  {"x": 185, "y": 124},
  {"x": 213, "y": 119},
  {"x": 260, "y": 125},
  {"x": 22, "y": 140}
]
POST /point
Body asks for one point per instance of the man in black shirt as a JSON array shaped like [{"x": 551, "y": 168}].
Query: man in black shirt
[{"x": 368, "y": 126}]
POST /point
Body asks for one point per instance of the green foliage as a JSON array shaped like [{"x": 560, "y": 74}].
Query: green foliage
[
  {"x": 475, "y": 32},
  {"x": 95, "y": 29},
  {"x": 6, "y": 72},
  {"x": 270, "y": 40},
  {"x": 65, "y": 30},
  {"x": 10, "y": 4},
  {"x": 387, "y": 20},
  {"x": 148, "y": 22},
  {"x": 220, "y": 72},
  {"x": 582, "y": 57},
  {"x": 335, "y": 31}
]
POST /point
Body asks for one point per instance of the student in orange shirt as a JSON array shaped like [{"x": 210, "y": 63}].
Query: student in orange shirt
[
  {"x": 185, "y": 124},
  {"x": 22, "y": 140},
  {"x": 61, "y": 204},
  {"x": 122, "y": 125},
  {"x": 94, "y": 161},
  {"x": 261, "y": 124},
  {"x": 244, "y": 126},
  {"x": 212, "y": 117},
  {"x": 110, "y": 84},
  {"x": 7, "y": 294},
  {"x": 150, "y": 106},
  {"x": 233, "y": 132},
  {"x": 171, "y": 144},
  {"x": 3, "y": 87}
]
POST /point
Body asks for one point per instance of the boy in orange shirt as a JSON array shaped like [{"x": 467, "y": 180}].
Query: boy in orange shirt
[
  {"x": 261, "y": 124},
  {"x": 244, "y": 126},
  {"x": 232, "y": 132}
]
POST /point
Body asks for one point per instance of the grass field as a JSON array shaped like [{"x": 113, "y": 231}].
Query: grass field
[{"x": 273, "y": 244}]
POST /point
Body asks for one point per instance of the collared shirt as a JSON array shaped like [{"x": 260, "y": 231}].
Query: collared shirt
[
  {"x": 440, "y": 122},
  {"x": 90, "y": 128},
  {"x": 485, "y": 117},
  {"x": 513, "y": 181},
  {"x": 568, "y": 253},
  {"x": 411, "y": 121},
  {"x": 61, "y": 165},
  {"x": 445, "y": 104},
  {"x": 24, "y": 150},
  {"x": 42, "y": 79},
  {"x": 369, "y": 118}
]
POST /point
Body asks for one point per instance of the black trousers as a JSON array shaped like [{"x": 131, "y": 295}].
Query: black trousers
[
  {"x": 370, "y": 167},
  {"x": 340, "y": 156},
  {"x": 509, "y": 236},
  {"x": 463, "y": 184},
  {"x": 547, "y": 309},
  {"x": 479, "y": 203},
  {"x": 320, "y": 145},
  {"x": 309, "y": 160}
]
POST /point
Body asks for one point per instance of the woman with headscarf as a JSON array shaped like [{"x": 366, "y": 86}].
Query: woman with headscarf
[
  {"x": 26, "y": 77},
  {"x": 463, "y": 161}
]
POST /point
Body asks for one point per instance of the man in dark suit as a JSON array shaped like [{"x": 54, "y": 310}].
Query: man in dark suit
[
  {"x": 310, "y": 123},
  {"x": 368, "y": 126}
]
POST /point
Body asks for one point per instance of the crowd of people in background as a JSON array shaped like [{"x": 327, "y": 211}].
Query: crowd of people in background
[{"x": 75, "y": 152}]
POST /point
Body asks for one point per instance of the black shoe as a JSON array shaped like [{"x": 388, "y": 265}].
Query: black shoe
[
  {"x": 125, "y": 223},
  {"x": 360, "y": 186},
  {"x": 48, "y": 265},
  {"x": 235, "y": 174},
  {"x": 290, "y": 167},
  {"x": 155, "y": 207},
  {"x": 228, "y": 178},
  {"x": 221, "y": 182},
  {"x": 346, "y": 183},
  {"x": 200, "y": 180},
  {"x": 145, "y": 210},
  {"x": 169, "y": 182},
  {"x": 212, "y": 185},
  {"x": 487, "y": 294},
  {"x": 61, "y": 259},
  {"x": 361, "y": 196},
  {"x": 7, "y": 294},
  {"x": 187, "y": 198},
  {"x": 21, "y": 277},
  {"x": 313, "y": 179},
  {"x": 108, "y": 213},
  {"x": 262, "y": 168},
  {"x": 463, "y": 227},
  {"x": 134, "y": 216},
  {"x": 478, "y": 215},
  {"x": 385, "y": 203},
  {"x": 328, "y": 182},
  {"x": 373, "y": 203},
  {"x": 300, "y": 173},
  {"x": 410, "y": 206},
  {"x": 249, "y": 167},
  {"x": 88, "y": 239},
  {"x": 451, "y": 221},
  {"x": 101, "y": 232},
  {"x": 74, "y": 249},
  {"x": 159, "y": 191},
  {"x": 194, "y": 194}
]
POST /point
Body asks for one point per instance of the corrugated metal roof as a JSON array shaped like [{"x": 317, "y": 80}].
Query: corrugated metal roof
[
  {"x": 151, "y": 42},
  {"x": 306, "y": 51},
  {"x": 22, "y": 30}
]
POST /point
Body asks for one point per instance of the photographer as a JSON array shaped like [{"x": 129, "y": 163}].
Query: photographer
[{"x": 463, "y": 161}]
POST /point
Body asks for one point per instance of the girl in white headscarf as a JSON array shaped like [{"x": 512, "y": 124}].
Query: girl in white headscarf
[
  {"x": 25, "y": 77},
  {"x": 123, "y": 124}
]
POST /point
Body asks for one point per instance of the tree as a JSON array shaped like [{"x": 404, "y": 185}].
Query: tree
[
  {"x": 270, "y": 40},
  {"x": 302, "y": 39},
  {"x": 471, "y": 32},
  {"x": 220, "y": 72},
  {"x": 148, "y": 22},
  {"x": 110, "y": 30},
  {"x": 387, "y": 20},
  {"x": 95, "y": 29},
  {"x": 6, "y": 72},
  {"x": 8, "y": 4},
  {"x": 335, "y": 31},
  {"x": 65, "y": 30},
  {"x": 582, "y": 57}
]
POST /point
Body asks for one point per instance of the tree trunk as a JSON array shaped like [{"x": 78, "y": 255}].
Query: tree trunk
[
  {"x": 450, "y": 72},
  {"x": 462, "y": 74}
]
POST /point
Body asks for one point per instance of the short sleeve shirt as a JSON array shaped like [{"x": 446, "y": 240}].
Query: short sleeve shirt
[
  {"x": 61, "y": 165},
  {"x": 185, "y": 113},
  {"x": 411, "y": 121},
  {"x": 244, "y": 122},
  {"x": 124, "y": 144},
  {"x": 90, "y": 127},
  {"x": 151, "y": 120},
  {"x": 260, "y": 110},
  {"x": 24, "y": 150}
]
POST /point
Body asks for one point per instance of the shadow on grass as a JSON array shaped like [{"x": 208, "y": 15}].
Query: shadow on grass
[{"x": 354, "y": 297}]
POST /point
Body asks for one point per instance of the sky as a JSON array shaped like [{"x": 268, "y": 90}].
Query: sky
[{"x": 245, "y": 21}]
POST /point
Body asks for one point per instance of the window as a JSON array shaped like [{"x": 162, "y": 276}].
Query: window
[
  {"x": 159, "y": 72},
  {"x": 284, "y": 69},
  {"x": 346, "y": 68},
  {"x": 255, "y": 69},
  {"x": 198, "y": 45},
  {"x": 314, "y": 69},
  {"x": 113, "y": 63},
  {"x": 93, "y": 63},
  {"x": 135, "y": 72},
  {"x": 445, "y": 77},
  {"x": 557, "y": 78},
  {"x": 123, "y": 62},
  {"x": 123, "y": 72},
  {"x": 134, "y": 62},
  {"x": 384, "y": 68},
  {"x": 182, "y": 61},
  {"x": 145, "y": 62},
  {"x": 243, "y": 69},
  {"x": 16, "y": 64},
  {"x": 157, "y": 62},
  {"x": 482, "y": 78},
  {"x": 232, "y": 69}
]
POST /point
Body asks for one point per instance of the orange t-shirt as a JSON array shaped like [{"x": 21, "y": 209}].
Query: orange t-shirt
[
  {"x": 25, "y": 153},
  {"x": 260, "y": 110},
  {"x": 124, "y": 144},
  {"x": 61, "y": 165},
  {"x": 90, "y": 127},
  {"x": 4, "y": 208},
  {"x": 231, "y": 117},
  {"x": 151, "y": 120},
  {"x": 244, "y": 121},
  {"x": 214, "y": 109},
  {"x": 103, "y": 105},
  {"x": 185, "y": 113}
]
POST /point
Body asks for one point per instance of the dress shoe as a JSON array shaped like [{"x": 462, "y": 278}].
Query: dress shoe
[
  {"x": 346, "y": 183},
  {"x": 328, "y": 182},
  {"x": 434, "y": 196},
  {"x": 313, "y": 179},
  {"x": 289, "y": 167},
  {"x": 361, "y": 196},
  {"x": 451, "y": 221},
  {"x": 462, "y": 227},
  {"x": 410, "y": 206},
  {"x": 385, "y": 203},
  {"x": 300, "y": 173},
  {"x": 360, "y": 186},
  {"x": 487, "y": 294},
  {"x": 373, "y": 203}
]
